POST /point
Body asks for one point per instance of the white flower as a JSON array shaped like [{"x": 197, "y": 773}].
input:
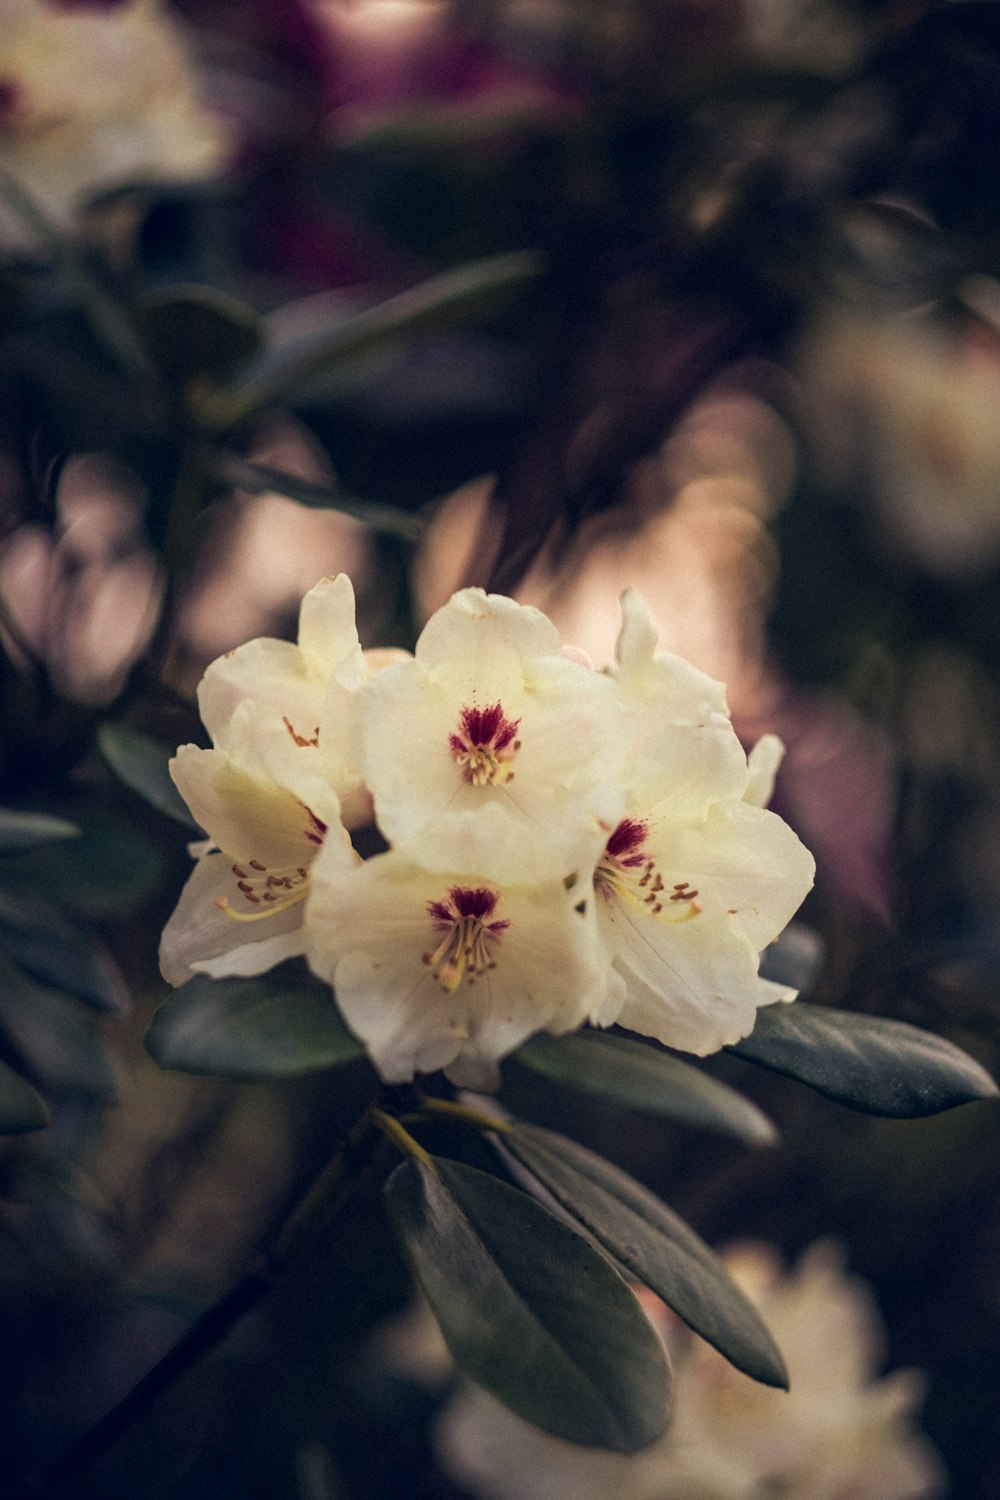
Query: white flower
[
  {"x": 279, "y": 778},
  {"x": 837, "y": 1434},
  {"x": 95, "y": 99},
  {"x": 453, "y": 964},
  {"x": 696, "y": 878},
  {"x": 489, "y": 713}
]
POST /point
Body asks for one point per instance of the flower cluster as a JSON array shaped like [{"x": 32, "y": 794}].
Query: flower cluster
[
  {"x": 564, "y": 845},
  {"x": 839, "y": 1433}
]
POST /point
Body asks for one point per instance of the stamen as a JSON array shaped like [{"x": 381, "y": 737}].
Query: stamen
[
  {"x": 300, "y": 739},
  {"x": 617, "y": 876},
  {"x": 484, "y": 745},
  {"x": 465, "y": 950}
]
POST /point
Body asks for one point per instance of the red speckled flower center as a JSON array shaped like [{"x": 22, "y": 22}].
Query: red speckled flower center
[
  {"x": 484, "y": 745},
  {"x": 468, "y": 936},
  {"x": 625, "y": 869}
]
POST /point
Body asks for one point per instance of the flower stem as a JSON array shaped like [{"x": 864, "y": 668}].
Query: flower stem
[{"x": 323, "y": 1199}]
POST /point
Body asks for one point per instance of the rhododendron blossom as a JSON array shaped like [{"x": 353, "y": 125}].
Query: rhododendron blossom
[{"x": 564, "y": 846}]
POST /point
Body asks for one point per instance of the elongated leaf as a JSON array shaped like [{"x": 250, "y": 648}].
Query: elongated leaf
[
  {"x": 654, "y": 1244},
  {"x": 879, "y": 1066},
  {"x": 529, "y": 1309},
  {"x": 54, "y": 1036},
  {"x": 141, "y": 763},
  {"x": 280, "y": 372},
  {"x": 275, "y": 1026},
  {"x": 112, "y": 868},
  {"x": 621, "y": 1070},
  {"x": 60, "y": 953},
  {"x": 21, "y": 1108},
  {"x": 23, "y": 830}
]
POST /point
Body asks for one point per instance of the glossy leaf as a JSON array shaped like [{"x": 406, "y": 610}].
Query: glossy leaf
[
  {"x": 141, "y": 763},
  {"x": 21, "y": 1108},
  {"x": 624, "y": 1071},
  {"x": 275, "y": 1026},
  {"x": 60, "y": 954},
  {"x": 56, "y": 1039},
  {"x": 873, "y": 1064},
  {"x": 528, "y": 1309},
  {"x": 654, "y": 1245},
  {"x": 112, "y": 868},
  {"x": 23, "y": 830},
  {"x": 280, "y": 372}
]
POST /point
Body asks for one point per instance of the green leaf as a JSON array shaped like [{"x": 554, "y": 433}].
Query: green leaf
[
  {"x": 61, "y": 954},
  {"x": 23, "y": 830},
  {"x": 21, "y": 1108},
  {"x": 528, "y": 1309},
  {"x": 192, "y": 331},
  {"x": 275, "y": 1026},
  {"x": 654, "y": 1244},
  {"x": 278, "y": 373},
  {"x": 55, "y": 1038},
  {"x": 141, "y": 763},
  {"x": 112, "y": 868},
  {"x": 873, "y": 1064},
  {"x": 624, "y": 1071}
]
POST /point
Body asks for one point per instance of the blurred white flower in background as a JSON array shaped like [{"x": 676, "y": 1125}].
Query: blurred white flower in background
[
  {"x": 93, "y": 99},
  {"x": 905, "y": 412},
  {"x": 839, "y": 1433}
]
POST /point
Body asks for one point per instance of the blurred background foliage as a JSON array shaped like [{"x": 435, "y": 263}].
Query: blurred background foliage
[{"x": 552, "y": 296}]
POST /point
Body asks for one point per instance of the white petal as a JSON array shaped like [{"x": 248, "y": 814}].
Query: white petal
[
  {"x": 638, "y": 636},
  {"x": 763, "y": 763},
  {"x": 328, "y": 636},
  {"x": 247, "y": 816},
  {"x": 199, "y": 936},
  {"x": 269, "y": 673},
  {"x": 474, "y": 627},
  {"x": 690, "y": 984},
  {"x": 746, "y": 865}
]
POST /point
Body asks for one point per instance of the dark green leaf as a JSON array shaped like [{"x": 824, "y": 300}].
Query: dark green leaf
[
  {"x": 21, "y": 1108},
  {"x": 60, "y": 953},
  {"x": 274, "y": 1026},
  {"x": 528, "y": 1309},
  {"x": 112, "y": 868},
  {"x": 873, "y": 1064},
  {"x": 621, "y": 1070},
  {"x": 141, "y": 763},
  {"x": 192, "y": 331},
  {"x": 653, "y": 1244},
  {"x": 23, "y": 830},
  {"x": 55, "y": 1038},
  {"x": 280, "y": 372}
]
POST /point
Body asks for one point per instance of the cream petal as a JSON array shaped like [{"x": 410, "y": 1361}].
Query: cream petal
[
  {"x": 638, "y": 635},
  {"x": 763, "y": 763},
  {"x": 690, "y": 984},
  {"x": 200, "y": 937},
  {"x": 266, "y": 672},
  {"x": 328, "y": 636},
  {"x": 247, "y": 816},
  {"x": 475, "y": 627},
  {"x": 745, "y": 863}
]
